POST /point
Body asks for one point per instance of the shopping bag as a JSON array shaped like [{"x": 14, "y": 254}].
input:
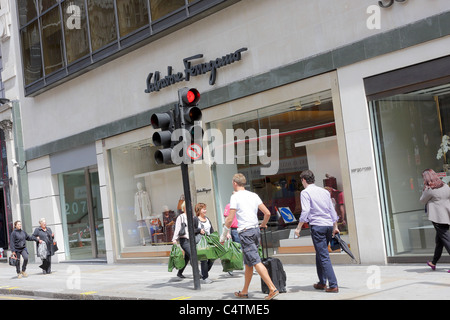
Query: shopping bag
[
  {"x": 42, "y": 250},
  {"x": 176, "y": 258},
  {"x": 219, "y": 249},
  {"x": 204, "y": 249},
  {"x": 233, "y": 258},
  {"x": 209, "y": 247}
]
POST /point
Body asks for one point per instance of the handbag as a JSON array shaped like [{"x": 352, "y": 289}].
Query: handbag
[
  {"x": 54, "y": 247},
  {"x": 13, "y": 261},
  {"x": 182, "y": 231}
]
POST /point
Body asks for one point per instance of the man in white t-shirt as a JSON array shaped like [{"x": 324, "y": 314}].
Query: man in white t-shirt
[{"x": 244, "y": 205}]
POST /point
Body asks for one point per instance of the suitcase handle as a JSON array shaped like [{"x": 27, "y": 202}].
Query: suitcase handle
[{"x": 264, "y": 231}]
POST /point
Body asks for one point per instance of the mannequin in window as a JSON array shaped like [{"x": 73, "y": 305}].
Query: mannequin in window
[{"x": 142, "y": 209}]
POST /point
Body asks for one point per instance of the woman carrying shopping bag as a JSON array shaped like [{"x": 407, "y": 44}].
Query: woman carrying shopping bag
[
  {"x": 203, "y": 226},
  {"x": 46, "y": 236},
  {"x": 181, "y": 234}
]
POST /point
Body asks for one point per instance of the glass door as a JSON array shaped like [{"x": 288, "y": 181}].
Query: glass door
[{"x": 82, "y": 215}]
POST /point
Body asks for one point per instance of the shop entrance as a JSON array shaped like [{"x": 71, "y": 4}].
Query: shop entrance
[{"x": 82, "y": 214}]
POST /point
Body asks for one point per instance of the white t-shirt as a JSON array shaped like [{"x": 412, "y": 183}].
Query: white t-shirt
[{"x": 246, "y": 205}]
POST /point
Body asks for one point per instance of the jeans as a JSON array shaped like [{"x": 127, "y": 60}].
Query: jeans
[
  {"x": 321, "y": 236},
  {"x": 442, "y": 240},
  {"x": 235, "y": 235}
]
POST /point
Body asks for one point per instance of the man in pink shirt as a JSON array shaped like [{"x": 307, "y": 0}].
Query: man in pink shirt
[{"x": 233, "y": 229}]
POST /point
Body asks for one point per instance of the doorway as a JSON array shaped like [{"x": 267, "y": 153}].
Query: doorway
[{"x": 82, "y": 215}]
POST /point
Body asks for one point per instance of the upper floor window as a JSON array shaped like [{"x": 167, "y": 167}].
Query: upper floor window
[{"x": 60, "y": 38}]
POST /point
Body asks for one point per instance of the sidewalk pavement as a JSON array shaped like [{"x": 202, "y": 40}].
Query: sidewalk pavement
[{"x": 154, "y": 282}]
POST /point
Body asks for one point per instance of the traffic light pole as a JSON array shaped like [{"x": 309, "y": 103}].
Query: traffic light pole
[{"x": 188, "y": 204}]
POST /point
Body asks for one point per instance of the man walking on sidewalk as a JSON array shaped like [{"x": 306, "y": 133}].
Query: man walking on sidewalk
[
  {"x": 319, "y": 212},
  {"x": 244, "y": 205}
]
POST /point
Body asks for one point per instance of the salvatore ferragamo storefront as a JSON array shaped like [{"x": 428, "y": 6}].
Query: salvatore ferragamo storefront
[{"x": 364, "y": 109}]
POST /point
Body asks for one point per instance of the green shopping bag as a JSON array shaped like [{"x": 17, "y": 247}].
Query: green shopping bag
[
  {"x": 209, "y": 247},
  {"x": 176, "y": 258},
  {"x": 233, "y": 258}
]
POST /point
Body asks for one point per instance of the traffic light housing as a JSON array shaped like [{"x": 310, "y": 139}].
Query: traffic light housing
[
  {"x": 190, "y": 113},
  {"x": 165, "y": 122}
]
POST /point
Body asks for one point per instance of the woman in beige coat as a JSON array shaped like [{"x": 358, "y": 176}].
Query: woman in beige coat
[{"x": 436, "y": 196}]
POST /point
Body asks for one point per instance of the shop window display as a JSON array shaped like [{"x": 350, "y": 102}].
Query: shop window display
[
  {"x": 408, "y": 131},
  {"x": 146, "y": 198},
  {"x": 307, "y": 140}
]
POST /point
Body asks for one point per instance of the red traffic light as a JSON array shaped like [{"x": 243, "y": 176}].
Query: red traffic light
[{"x": 189, "y": 97}]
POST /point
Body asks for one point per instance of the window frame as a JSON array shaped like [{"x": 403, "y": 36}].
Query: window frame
[{"x": 189, "y": 13}]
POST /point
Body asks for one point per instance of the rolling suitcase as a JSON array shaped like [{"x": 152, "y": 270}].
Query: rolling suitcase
[{"x": 275, "y": 269}]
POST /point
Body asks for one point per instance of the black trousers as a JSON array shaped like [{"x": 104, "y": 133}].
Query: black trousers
[
  {"x": 24, "y": 254},
  {"x": 442, "y": 240},
  {"x": 205, "y": 266},
  {"x": 46, "y": 265},
  {"x": 184, "y": 243}
]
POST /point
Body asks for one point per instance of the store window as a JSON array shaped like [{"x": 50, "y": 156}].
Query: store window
[
  {"x": 31, "y": 53},
  {"x": 102, "y": 22},
  {"x": 132, "y": 15},
  {"x": 408, "y": 131},
  {"x": 77, "y": 40},
  {"x": 51, "y": 41},
  {"x": 82, "y": 217},
  {"x": 67, "y": 37},
  {"x": 307, "y": 140},
  {"x": 161, "y": 8},
  {"x": 147, "y": 197}
]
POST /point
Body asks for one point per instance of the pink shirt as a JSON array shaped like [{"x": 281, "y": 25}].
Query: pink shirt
[{"x": 226, "y": 212}]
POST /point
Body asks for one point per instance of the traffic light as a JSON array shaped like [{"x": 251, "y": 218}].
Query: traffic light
[
  {"x": 189, "y": 115},
  {"x": 165, "y": 122}
]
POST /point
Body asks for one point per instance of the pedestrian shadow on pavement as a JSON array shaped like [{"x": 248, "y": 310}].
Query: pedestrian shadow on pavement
[{"x": 427, "y": 270}]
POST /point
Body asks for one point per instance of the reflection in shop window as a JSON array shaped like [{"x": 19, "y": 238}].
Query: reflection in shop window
[
  {"x": 31, "y": 52},
  {"x": 160, "y": 8},
  {"x": 102, "y": 22},
  {"x": 27, "y": 11},
  {"x": 132, "y": 15},
  {"x": 408, "y": 129},
  {"x": 44, "y": 5},
  {"x": 52, "y": 41},
  {"x": 77, "y": 41}
]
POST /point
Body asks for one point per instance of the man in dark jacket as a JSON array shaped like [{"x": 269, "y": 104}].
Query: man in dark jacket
[{"x": 18, "y": 247}]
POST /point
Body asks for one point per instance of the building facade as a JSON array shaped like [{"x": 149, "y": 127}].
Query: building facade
[{"x": 358, "y": 93}]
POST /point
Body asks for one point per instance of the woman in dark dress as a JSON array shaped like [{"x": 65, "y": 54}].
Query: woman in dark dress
[{"x": 46, "y": 235}]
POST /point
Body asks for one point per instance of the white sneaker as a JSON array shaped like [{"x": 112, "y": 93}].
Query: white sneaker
[{"x": 206, "y": 281}]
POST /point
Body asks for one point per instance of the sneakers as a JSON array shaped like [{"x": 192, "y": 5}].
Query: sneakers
[
  {"x": 21, "y": 275},
  {"x": 206, "y": 281},
  {"x": 24, "y": 274}
]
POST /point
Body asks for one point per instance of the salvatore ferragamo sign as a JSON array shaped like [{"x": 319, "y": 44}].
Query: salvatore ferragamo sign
[{"x": 156, "y": 82}]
